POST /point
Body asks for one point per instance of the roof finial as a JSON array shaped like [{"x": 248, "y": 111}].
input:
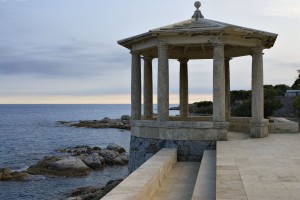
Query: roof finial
[{"x": 197, "y": 13}]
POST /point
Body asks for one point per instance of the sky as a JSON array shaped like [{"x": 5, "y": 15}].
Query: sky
[{"x": 66, "y": 51}]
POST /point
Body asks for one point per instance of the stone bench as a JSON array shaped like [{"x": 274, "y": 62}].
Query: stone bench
[
  {"x": 145, "y": 181},
  {"x": 205, "y": 186}
]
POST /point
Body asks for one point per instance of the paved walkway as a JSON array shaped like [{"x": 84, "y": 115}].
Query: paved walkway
[
  {"x": 179, "y": 183},
  {"x": 259, "y": 169}
]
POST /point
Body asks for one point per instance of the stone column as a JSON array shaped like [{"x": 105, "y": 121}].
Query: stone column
[
  {"x": 218, "y": 83},
  {"x": 183, "y": 88},
  {"x": 135, "y": 86},
  {"x": 227, "y": 88},
  {"x": 163, "y": 83},
  {"x": 259, "y": 126},
  {"x": 148, "y": 88}
]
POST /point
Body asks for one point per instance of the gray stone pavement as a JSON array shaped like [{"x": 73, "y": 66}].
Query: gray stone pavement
[{"x": 259, "y": 169}]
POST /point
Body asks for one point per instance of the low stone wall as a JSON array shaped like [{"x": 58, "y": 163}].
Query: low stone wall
[
  {"x": 239, "y": 124},
  {"x": 145, "y": 181},
  {"x": 141, "y": 149},
  {"x": 180, "y": 130}
]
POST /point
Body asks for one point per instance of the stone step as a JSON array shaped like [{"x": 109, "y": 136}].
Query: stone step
[
  {"x": 205, "y": 186},
  {"x": 179, "y": 183}
]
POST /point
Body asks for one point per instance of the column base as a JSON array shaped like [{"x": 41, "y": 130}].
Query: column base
[{"x": 259, "y": 129}]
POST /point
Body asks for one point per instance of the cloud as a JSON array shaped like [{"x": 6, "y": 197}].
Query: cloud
[
  {"x": 74, "y": 59},
  {"x": 283, "y": 8}
]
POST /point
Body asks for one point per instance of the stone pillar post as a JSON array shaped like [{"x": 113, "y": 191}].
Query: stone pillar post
[
  {"x": 183, "y": 88},
  {"x": 259, "y": 126},
  {"x": 163, "y": 83},
  {"x": 218, "y": 83},
  {"x": 148, "y": 88},
  {"x": 135, "y": 86},
  {"x": 227, "y": 88}
]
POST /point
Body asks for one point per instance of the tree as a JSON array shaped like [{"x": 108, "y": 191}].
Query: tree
[
  {"x": 282, "y": 88},
  {"x": 271, "y": 101},
  {"x": 296, "y": 85},
  {"x": 242, "y": 102},
  {"x": 242, "y": 110},
  {"x": 203, "y": 107}
]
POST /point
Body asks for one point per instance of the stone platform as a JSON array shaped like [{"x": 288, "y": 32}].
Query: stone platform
[{"x": 242, "y": 168}]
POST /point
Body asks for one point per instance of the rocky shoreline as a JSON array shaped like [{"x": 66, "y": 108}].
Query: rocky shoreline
[
  {"x": 121, "y": 123},
  {"x": 79, "y": 161},
  {"x": 92, "y": 192},
  {"x": 75, "y": 161}
]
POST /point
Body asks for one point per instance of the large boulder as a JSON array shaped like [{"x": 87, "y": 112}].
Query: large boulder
[
  {"x": 115, "y": 147},
  {"x": 6, "y": 174},
  {"x": 125, "y": 117},
  {"x": 60, "y": 166},
  {"x": 105, "y": 120},
  {"x": 109, "y": 155},
  {"x": 120, "y": 160},
  {"x": 94, "y": 161}
]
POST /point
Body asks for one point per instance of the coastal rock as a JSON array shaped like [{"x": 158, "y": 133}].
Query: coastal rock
[
  {"x": 175, "y": 108},
  {"x": 122, "y": 123},
  {"x": 73, "y": 198},
  {"x": 94, "y": 161},
  {"x": 96, "y": 158},
  {"x": 105, "y": 120},
  {"x": 113, "y": 157},
  {"x": 115, "y": 147},
  {"x": 125, "y": 117},
  {"x": 121, "y": 160},
  {"x": 93, "y": 192},
  {"x": 109, "y": 155},
  {"x": 6, "y": 174},
  {"x": 60, "y": 166}
]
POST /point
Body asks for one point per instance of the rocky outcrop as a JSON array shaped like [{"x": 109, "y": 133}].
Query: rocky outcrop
[
  {"x": 122, "y": 123},
  {"x": 93, "y": 192},
  {"x": 6, "y": 174},
  {"x": 80, "y": 160},
  {"x": 94, "y": 161},
  {"x": 60, "y": 166},
  {"x": 115, "y": 147}
]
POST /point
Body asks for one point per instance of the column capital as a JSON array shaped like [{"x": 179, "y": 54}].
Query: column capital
[
  {"x": 183, "y": 60},
  {"x": 147, "y": 58},
  {"x": 257, "y": 50},
  {"x": 135, "y": 52},
  {"x": 162, "y": 44},
  {"x": 218, "y": 45}
]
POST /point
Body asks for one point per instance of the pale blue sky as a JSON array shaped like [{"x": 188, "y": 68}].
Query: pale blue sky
[{"x": 66, "y": 51}]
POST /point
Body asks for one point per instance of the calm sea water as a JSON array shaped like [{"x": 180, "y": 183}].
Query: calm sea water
[{"x": 30, "y": 132}]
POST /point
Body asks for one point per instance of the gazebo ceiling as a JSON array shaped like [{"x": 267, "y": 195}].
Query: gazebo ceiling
[{"x": 194, "y": 39}]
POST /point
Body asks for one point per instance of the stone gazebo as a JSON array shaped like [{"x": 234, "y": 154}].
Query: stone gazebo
[{"x": 196, "y": 38}]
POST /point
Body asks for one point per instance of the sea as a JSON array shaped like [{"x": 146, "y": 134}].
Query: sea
[{"x": 30, "y": 132}]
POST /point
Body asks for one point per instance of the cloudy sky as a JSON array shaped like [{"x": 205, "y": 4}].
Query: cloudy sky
[{"x": 66, "y": 51}]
